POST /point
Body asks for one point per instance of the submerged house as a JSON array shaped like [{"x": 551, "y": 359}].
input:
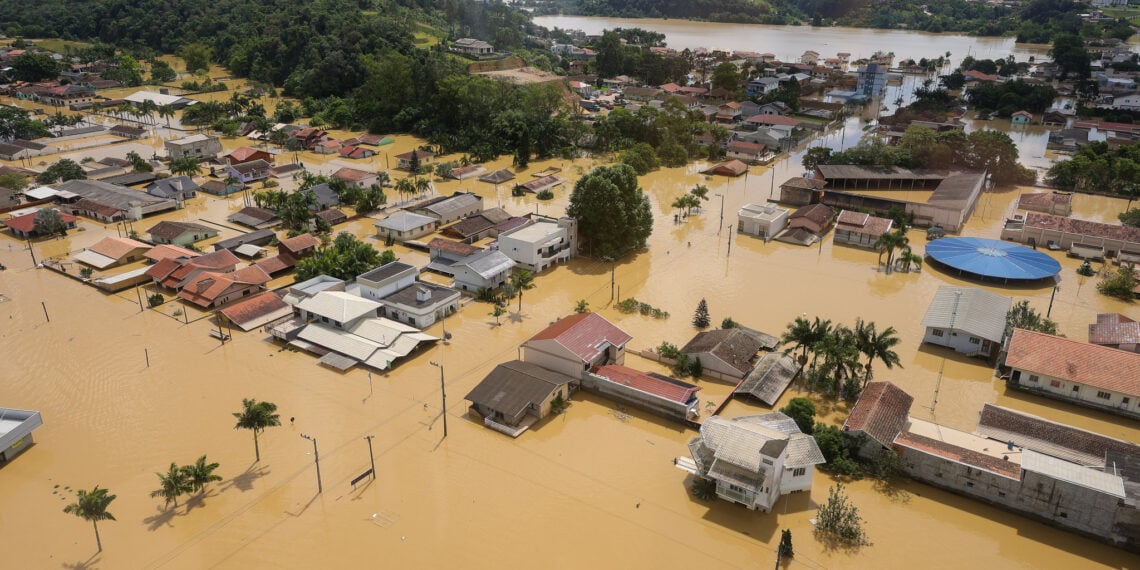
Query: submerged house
[
  {"x": 517, "y": 394},
  {"x": 772, "y": 375},
  {"x": 112, "y": 252},
  {"x": 881, "y": 414},
  {"x": 576, "y": 344},
  {"x": 754, "y": 459},
  {"x": 655, "y": 393},
  {"x": 724, "y": 353},
  {"x": 16, "y": 431},
  {"x": 969, "y": 320},
  {"x": 859, "y": 229}
]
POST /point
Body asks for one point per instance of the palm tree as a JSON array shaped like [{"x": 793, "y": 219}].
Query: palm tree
[
  {"x": 92, "y": 506},
  {"x": 256, "y": 416},
  {"x": 820, "y": 330},
  {"x": 522, "y": 281},
  {"x": 200, "y": 474},
  {"x": 405, "y": 186},
  {"x": 888, "y": 243},
  {"x": 166, "y": 112},
  {"x": 422, "y": 185},
  {"x": 172, "y": 484},
  {"x": 908, "y": 258},
  {"x": 799, "y": 333},
  {"x": 876, "y": 344},
  {"x": 187, "y": 165}
]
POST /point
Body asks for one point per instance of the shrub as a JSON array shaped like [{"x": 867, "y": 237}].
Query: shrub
[
  {"x": 155, "y": 300},
  {"x": 545, "y": 195},
  {"x": 668, "y": 350},
  {"x": 703, "y": 489}
]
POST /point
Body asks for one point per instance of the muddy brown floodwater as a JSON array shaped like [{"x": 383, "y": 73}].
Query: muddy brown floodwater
[{"x": 594, "y": 487}]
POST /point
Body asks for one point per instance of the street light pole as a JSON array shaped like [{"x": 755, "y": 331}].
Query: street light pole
[
  {"x": 443, "y": 395},
  {"x": 371, "y": 458},
  {"x": 317, "y": 460}
]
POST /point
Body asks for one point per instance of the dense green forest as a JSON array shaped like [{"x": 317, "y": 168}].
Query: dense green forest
[
  {"x": 1035, "y": 22},
  {"x": 356, "y": 62}
]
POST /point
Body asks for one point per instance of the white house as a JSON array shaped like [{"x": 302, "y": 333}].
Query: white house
[
  {"x": 448, "y": 209},
  {"x": 576, "y": 344},
  {"x": 484, "y": 270},
  {"x": 1127, "y": 102},
  {"x": 386, "y": 279},
  {"x": 762, "y": 220},
  {"x": 537, "y": 246},
  {"x": 754, "y": 459},
  {"x": 195, "y": 146},
  {"x": 472, "y": 46},
  {"x": 969, "y": 320},
  {"x": 421, "y": 304},
  {"x": 403, "y": 226},
  {"x": 1078, "y": 372}
]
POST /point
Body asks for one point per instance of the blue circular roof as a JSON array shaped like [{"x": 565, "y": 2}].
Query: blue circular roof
[{"x": 992, "y": 258}]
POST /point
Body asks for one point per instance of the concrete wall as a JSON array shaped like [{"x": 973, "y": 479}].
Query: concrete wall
[
  {"x": 551, "y": 356},
  {"x": 1124, "y": 404},
  {"x": 376, "y": 290},
  {"x": 766, "y": 229},
  {"x": 856, "y": 239},
  {"x": 959, "y": 341},
  {"x": 1020, "y": 233},
  {"x": 1058, "y": 503},
  {"x": 790, "y": 483}
]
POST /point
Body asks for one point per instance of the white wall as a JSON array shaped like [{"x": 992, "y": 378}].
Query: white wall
[
  {"x": 1063, "y": 389},
  {"x": 550, "y": 355}
]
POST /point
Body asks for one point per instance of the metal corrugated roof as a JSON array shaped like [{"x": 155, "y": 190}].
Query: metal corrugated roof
[
  {"x": 339, "y": 306},
  {"x": 968, "y": 309},
  {"x": 404, "y": 221},
  {"x": 1079, "y": 475},
  {"x": 95, "y": 260},
  {"x": 993, "y": 258},
  {"x": 802, "y": 451}
]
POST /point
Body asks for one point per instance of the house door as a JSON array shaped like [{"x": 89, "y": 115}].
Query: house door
[{"x": 986, "y": 346}]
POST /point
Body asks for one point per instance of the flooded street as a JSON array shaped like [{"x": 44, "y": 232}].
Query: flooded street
[{"x": 593, "y": 487}]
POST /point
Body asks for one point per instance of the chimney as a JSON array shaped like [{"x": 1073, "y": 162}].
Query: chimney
[{"x": 423, "y": 294}]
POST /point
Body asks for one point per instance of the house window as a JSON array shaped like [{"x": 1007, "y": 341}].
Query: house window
[
  {"x": 1103, "y": 395},
  {"x": 799, "y": 471},
  {"x": 938, "y": 332},
  {"x": 1033, "y": 378},
  {"x": 975, "y": 340},
  {"x": 1125, "y": 401},
  {"x": 766, "y": 461},
  {"x": 1055, "y": 383},
  {"x": 737, "y": 489},
  {"x": 1076, "y": 388},
  {"x": 969, "y": 483},
  {"x": 1001, "y": 493}
]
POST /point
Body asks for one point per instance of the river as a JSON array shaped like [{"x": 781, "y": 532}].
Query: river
[
  {"x": 790, "y": 42},
  {"x": 591, "y": 488}
]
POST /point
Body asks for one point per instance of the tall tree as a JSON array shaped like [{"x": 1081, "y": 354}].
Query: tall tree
[
  {"x": 613, "y": 213},
  {"x": 35, "y": 67},
  {"x": 200, "y": 473},
  {"x": 875, "y": 344},
  {"x": 701, "y": 315},
  {"x": 62, "y": 171},
  {"x": 48, "y": 222},
  {"x": 802, "y": 410},
  {"x": 256, "y": 416},
  {"x": 187, "y": 165},
  {"x": 522, "y": 281},
  {"x": 799, "y": 334},
  {"x": 172, "y": 484},
  {"x": 196, "y": 56},
  {"x": 92, "y": 506}
]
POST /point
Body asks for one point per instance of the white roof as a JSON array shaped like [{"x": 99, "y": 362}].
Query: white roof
[
  {"x": 763, "y": 212},
  {"x": 404, "y": 221},
  {"x": 968, "y": 309},
  {"x": 487, "y": 263},
  {"x": 96, "y": 260},
  {"x": 41, "y": 193},
  {"x": 158, "y": 98},
  {"x": 190, "y": 139},
  {"x": 1087, "y": 477},
  {"x": 374, "y": 341},
  {"x": 339, "y": 306},
  {"x": 249, "y": 250},
  {"x": 119, "y": 278},
  {"x": 538, "y": 232}
]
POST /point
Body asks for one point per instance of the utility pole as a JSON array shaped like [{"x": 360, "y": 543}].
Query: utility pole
[
  {"x": 371, "y": 458},
  {"x": 443, "y": 395},
  {"x": 33, "y": 252},
  {"x": 317, "y": 460},
  {"x": 721, "y": 226},
  {"x": 44, "y": 305},
  {"x": 729, "y": 240},
  {"x": 1051, "y": 296}
]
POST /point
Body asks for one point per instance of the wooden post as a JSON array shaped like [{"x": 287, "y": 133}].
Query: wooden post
[
  {"x": 146, "y": 353},
  {"x": 44, "y": 305},
  {"x": 139, "y": 295},
  {"x": 32, "y": 251}
]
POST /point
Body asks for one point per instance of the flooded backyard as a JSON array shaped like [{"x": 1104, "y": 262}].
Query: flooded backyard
[{"x": 593, "y": 487}]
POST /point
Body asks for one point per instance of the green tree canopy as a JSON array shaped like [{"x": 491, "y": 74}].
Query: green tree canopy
[
  {"x": 31, "y": 66},
  {"x": 62, "y": 171},
  {"x": 802, "y": 410},
  {"x": 345, "y": 258},
  {"x": 255, "y": 416},
  {"x": 92, "y": 506},
  {"x": 613, "y": 213}
]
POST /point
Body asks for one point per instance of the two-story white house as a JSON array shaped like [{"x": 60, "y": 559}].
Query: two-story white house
[
  {"x": 539, "y": 245},
  {"x": 754, "y": 459},
  {"x": 488, "y": 269},
  {"x": 195, "y": 146},
  {"x": 420, "y": 304},
  {"x": 1073, "y": 371},
  {"x": 969, "y": 320},
  {"x": 386, "y": 279},
  {"x": 576, "y": 344}
]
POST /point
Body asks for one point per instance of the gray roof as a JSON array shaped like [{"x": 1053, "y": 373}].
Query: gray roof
[
  {"x": 1073, "y": 473},
  {"x": 407, "y": 296},
  {"x": 111, "y": 195},
  {"x": 741, "y": 442},
  {"x": 968, "y": 309},
  {"x": 173, "y": 186},
  {"x": 770, "y": 377},
  {"x": 487, "y": 263},
  {"x": 498, "y": 176},
  {"x": 404, "y": 221},
  {"x": 385, "y": 271},
  {"x": 734, "y": 346},
  {"x": 513, "y": 386},
  {"x": 170, "y": 230},
  {"x": 853, "y": 172},
  {"x": 253, "y": 216},
  {"x": 460, "y": 201},
  {"x": 258, "y": 237}
]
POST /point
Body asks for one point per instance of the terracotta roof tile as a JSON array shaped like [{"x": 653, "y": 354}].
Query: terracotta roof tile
[
  {"x": 1068, "y": 437},
  {"x": 168, "y": 251},
  {"x": 453, "y": 247},
  {"x": 27, "y": 222},
  {"x": 584, "y": 334},
  {"x": 299, "y": 243},
  {"x": 254, "y": 308},
  {"x": 1114, "y": 329},
  {"x": 962, "y": 455},
  {"x": 1086, "y": 364},
  {"x": 670, "y": 389},
  {"x": 863, "y": 223},
  {"x": 881, "y": 412},
  {"x": 117, "y": 247},
  {"x": 1082, "y": 227}
]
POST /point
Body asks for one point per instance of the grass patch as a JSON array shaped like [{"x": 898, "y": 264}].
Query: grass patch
[{"x": 56, "y": 45}]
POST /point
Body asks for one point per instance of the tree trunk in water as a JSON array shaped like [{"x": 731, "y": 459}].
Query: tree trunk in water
[
  {"x": 98, "y": 542},
  {"x": 520, "y": 301},
  {"x": 256, "y": 449}
]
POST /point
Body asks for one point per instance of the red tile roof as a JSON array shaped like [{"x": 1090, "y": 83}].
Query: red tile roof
[
  {"x": 881, "y": 412},
  {"x": 962, "y": 455},
  {"x": 744, "y": 146},
  {"x": 1114, "y": 329},
  {"x": 27, "y": 222},
  {"x": 245, "y": 153},
  {"x": 168, "y": 251},
  {"x": 351, "y": 174},
  {"x": 676, "y": 391},
  {"x": 299, "y": 243},
  {"x": 1082, "y": 363},
  {"x": 861, "y": 223},
  {"x": 979, "y": 76},
  {"x": 170, "y": 272},
  {"x": 254, "y": 308},
  {"x": 117, "y": 247},
  {"x": 584, "y": 334},
  {"x": 728, "y": 168},
  {"x": 1082, "y": 227},
  {"x": 206, "y": 287},
  {"x": 421, "y": 154},
  {"x": 453, "y": 247},
  {"x": 277, "y": 263}
]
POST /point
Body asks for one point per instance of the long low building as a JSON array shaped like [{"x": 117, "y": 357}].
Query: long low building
[
  {"x": 103, "y": 200},
  {"x": 1091, "y": 238},
  {"x": 16, "y": 431},
  {"x": 1073, "y": 371},
  {"x": 654, "y": 393}
]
